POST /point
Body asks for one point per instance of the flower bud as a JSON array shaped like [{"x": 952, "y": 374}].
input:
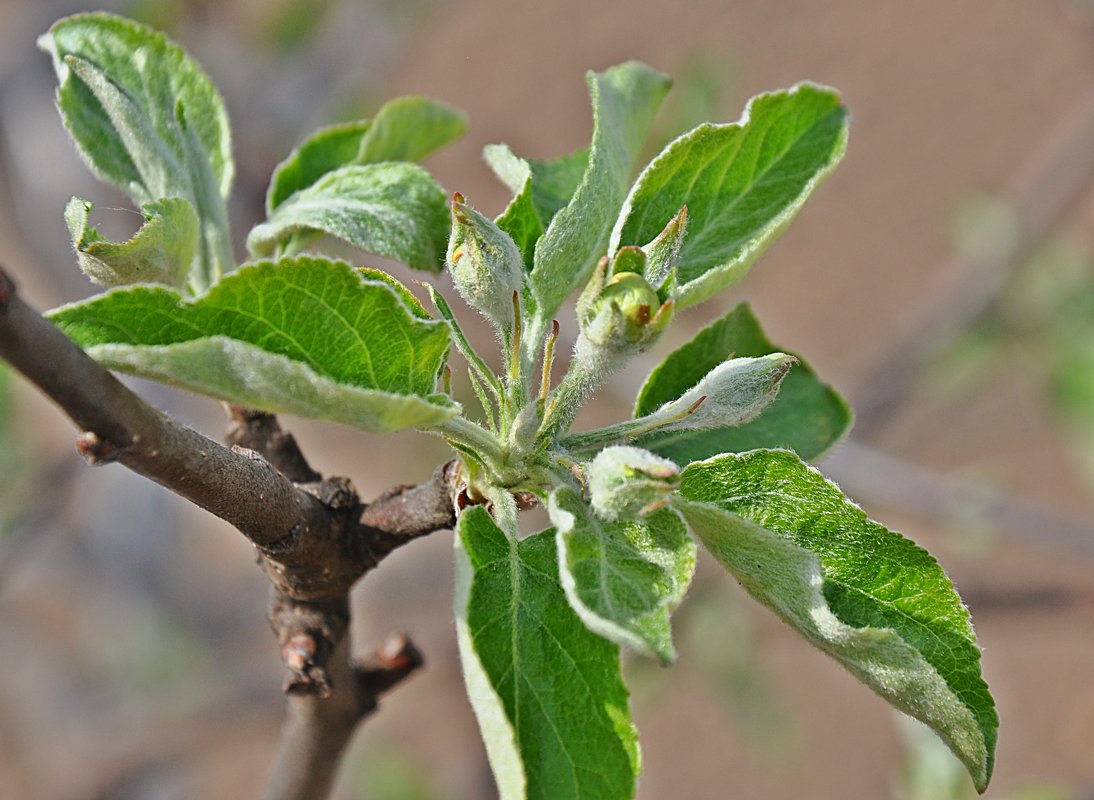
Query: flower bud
[
  {"x": 486, "y": 264},
  {"x": 628, "y": 482},
  {"x": 627, "y": 316}
]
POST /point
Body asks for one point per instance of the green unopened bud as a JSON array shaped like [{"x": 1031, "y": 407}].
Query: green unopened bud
[
  {"x": 628, "y": 482},
  {"x": 663, "y": 253},
  {"x": 486, "y": 264},
  {"x": 627, "y": 316}
]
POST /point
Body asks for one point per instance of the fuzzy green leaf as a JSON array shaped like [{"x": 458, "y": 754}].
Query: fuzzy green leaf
[
  {"x": 623, "y": 578},
  {"x": 742, "y": 183},
  {"x": 147, "y": 120},
  {"x": 304, "y": 336},
  {"x": 807, "y": 416},
  {"x": 873, "y": 600},
  {"x": 547, "y": 691},
  {"x": 409, "y": 129},
  {"x": 162, "y": 251},
  {"x": 393, "y": 209},
  {"x": 625, "y": 99},
  {"x": 549, "y": 184},
  {"x": 324, "y": 151},
  {"x": 404, "y": 129}
]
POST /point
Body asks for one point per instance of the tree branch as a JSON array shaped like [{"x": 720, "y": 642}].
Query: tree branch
[
  {"x": 314, "y": 536},
  {"x": 118, "y": 426}
]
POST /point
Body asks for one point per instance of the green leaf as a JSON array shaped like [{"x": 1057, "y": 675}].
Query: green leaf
[
  {"x": 324, "y": 151},
  {"x": 404, "y": 129},
  {"x": 623, "y": 578},
  {"x": 540, "y": 189},
  {"x": 162, "y": 251},
  {"x": 548, "y": 694},
  {"x": 550, "y": 184},
  {"x": 409, "y": 129},
  {"x": 304, "y": 336},
  {"x": 742, "y": 183},
  {"x": 873, "y": 600},
  {"x": 394, "y": 209},
  {"x": 808, "y": 416},
  {"x": 147, "y": 120},
  {"x": 625, "y": 99}
]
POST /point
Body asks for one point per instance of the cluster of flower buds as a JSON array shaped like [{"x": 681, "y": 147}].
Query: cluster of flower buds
[{"x": 626, "y": 305}]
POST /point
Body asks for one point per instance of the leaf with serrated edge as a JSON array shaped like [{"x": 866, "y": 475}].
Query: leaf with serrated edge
[
  {"x": 404, "y": 129},
  {"x": 808, "y": 416},
  {"x": 305, "y": 336},
  {"x": 623, "y": 578},
  {"x": 875, "y": 601},
  {"x": 742, "y": 183},
  {"x": 625, "y": 99},
  {"x": 162, "y": 251},
  {"x": 146, "y": 119},
  {"x": 547, "y": 692},
  {"x": 394, "y": 209}
]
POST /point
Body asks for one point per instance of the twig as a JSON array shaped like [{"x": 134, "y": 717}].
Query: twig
[
  {"x": 316, "y": 730},
  {"x": 118, "y": 426},
  {"x": 1040, "y": 193},
  {"x": 314, "y": 537}
]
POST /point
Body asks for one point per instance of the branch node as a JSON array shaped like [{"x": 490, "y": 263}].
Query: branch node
[
  {"x": 94, "y": 449},
  {"x": 394, "y": 661}
]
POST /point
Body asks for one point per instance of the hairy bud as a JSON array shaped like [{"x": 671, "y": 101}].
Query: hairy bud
[
  {"x": 627, "y": 482},
  {"x": 486, "y": 264}
]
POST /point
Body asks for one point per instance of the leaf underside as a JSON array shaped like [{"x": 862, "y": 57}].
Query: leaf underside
[
  {"x": 307, "y": 336},
  {"x": 624, "y": 578},
  {"x": 394, "y": 209},
  {"x": 865, "y": 595}
]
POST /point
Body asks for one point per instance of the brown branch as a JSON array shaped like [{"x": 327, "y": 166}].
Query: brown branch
[
  {"x": 259, "y": 431},
  {"x": 118, "y": 426},
  {"x": 314, "y": 537},
  {"x": 316, "y": 730}
]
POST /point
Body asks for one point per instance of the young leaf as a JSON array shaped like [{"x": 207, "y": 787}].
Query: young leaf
[
  {"x": 625, "y": 99},
  {"x": 304, "y": 336},
  {"x": 875, "y": 601},
  {"x": 404, "y": 129},
  {"x": 394, "y": 209},
  {"x": 742, "y": 183},
  {"x": 162, "y": 251},
  {"x": 409, "y": 129},
  {"x": 548, "y": 185},
  {"x": 732, "y": 393},
  {"x": 623, "y": 578},
  {"x": 147, "y": 120},
  {"x": 808, "y": 416},
  {"x": 324, "y": 151},
  {"x": 548, "y": 694}
]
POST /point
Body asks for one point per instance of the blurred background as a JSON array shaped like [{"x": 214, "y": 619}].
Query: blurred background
[{"x": 942, "y": 279}]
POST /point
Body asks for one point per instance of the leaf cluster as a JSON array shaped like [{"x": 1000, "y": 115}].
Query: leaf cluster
[{"x": 714, "y": 455}]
